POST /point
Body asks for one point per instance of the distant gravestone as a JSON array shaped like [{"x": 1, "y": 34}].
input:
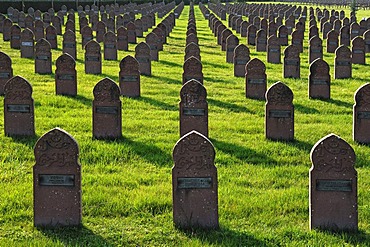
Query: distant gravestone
[
  {"x": 6, "y": 71},
  {"x": 279, "y": 113},
  {"x": 261, "y": 40},
  {"x": 69, "y": 43},
  {"x": 57, "y": 23},
  {"x": 192, "y": 70},
  {"x": 131, "y": 33},
  {"x": 345, "y": 36},
  {"x": 315, "y": 49},
  {"x": 361, "y": 115},
  {"x": 255, "y": 79},
  {"x": 332, "y": 41},
  {"x": 251, "y": 35},
  {"x": 139, "y": 27},
  {"x": 142, "y": 55},
  {"x": 319, "y": 80},
  {"x": 291, "y": 62},
  {"x": 283, "y": 35},
  {"x": 358, "y": 50},
  {"x": 27, "y": 44},
  {"x": 87, "y": 35},
  {"x": 343, "y": 63},
  {"x": 122, "y": 39},
  {"x": 194, "y": 183},
  {"x": 39, "y": 31},
  {"x": 297, "y": 40},
  {"x": 107, "y": 110},
  {"x": 93, "y": 63},
  {"x": 43, "y": 57},
  {"x": 19, "y": 119},
  {"x": 57, "y": 181},
  {"x": 7, "y": 24},
  {"x": 153, "y": 41},
  {"x": 224, "y": 35},
  {"x": 243, "y": 28},
  {"x": 193, "y": 108},
  {"x": 51, "y": 36},
  {"x": 192, "y": 49},
  {"x": 129, "y": 77},
  {"x": 101, "y": 29},
  {"x": 367, "y": 40},
  {"x": 191, "y": 38},
  {"x": 273, "y": 50},
  {"x": 231, "y": 42},
  {"x": 241, "y": 58},
  {"x": 15, "y": 37},
  {"x": 66, "y": 75},
  {"x": 110, "y": 46},
  {"x": 333, "y": 185},
  {"x": 70, "y": 25},
  {"x": 354, "y": 30}
]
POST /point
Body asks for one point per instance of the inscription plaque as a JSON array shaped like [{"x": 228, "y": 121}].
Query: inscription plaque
[
  {"x": 4, "y": 75},
  {"x": 363, "y": 115},
  {"x": 106, "y": 109},
  {"x": 194, "y": 183},
  {"x": 26, "y": 43},
  {"x": 128, "y": 78},
  {"x": 333, "y": 185},
  {"x": 343, "y": 63},
  {"x": 291, "y": 62},
  {"x": 92, "y": 58},
  {"x": 69, "y": 45},
  {"x": 41, "y": 57},
  {"x": 66, "y": 77},
  {"x": 56, "y": 180},
  {"x": 319, "y": 82},
  {"x": 19, "y": 108},
  {"x": 193, "y": 112},
  {"x": 279, "y": 114},
  {"x": 256, "y": 81}
]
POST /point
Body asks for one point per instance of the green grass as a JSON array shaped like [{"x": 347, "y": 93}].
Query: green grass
[{"x": 126, "y": 184}]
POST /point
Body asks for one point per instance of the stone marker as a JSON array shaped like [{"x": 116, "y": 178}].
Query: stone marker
[
  {"x": 57, "y": 181},
  {"x": 332, "y": 41},
  {"x": 129, "y": 77},
  {"x": 66, "y": 75},
  {"x": 19, "y": 117},
  {"x": 51, "y": 36},
  {"x": 87, "y": 35},
  {"x": 283, "y": 35},
  {"x": 319, "y": 80},
  {"x": 193, "y": 108},
  {"x": 343, "y": 63},
  {"x": 192, "y": 70},
  {"x": 15, "y": 37},
  {"x": 70, "y": 25},
  {"x": 291, "y": 62},
  {"x": 255, "y": 79},
  {"x": 6, "y": 71},
  {"x": 194, "y": 183},
  {"x": 142, "y": 55},
  {"x": 279, "y": 113},
  {"x": 131, "y": 33},
  {"x": 43, "y": 57},
  {"x": 93, "y": 63},
  {"x": 224, "y": 35},
  {"x": 122, "y": 42},
  {"x": 315, "y": 49},
  {"x": 192, "y": 49},
  {"x": 107, "y": 110},
  {"x": 101, "y": 29},
  {"x": 261, "y": 40},
  {"x": 358, "y": 50},
  {"x": 110, "y": 46},
  {"x": 333, "y": 185},
  {"x": 231, "y": 42},
  {"x": 39, "y": 31},
  {"x": 7, "y": 24},
  {"x": 153, "y": 41},
  {"x": 27, "y": 44},
  {"x": 345, "y": 36},
  {"x": 273, "y": 50},
  {"x": 361, "y": 115},
  {"x": 241, "y": 58},
  {"x": 251, "y": 35},
  {"x": 69, "y": 43}
]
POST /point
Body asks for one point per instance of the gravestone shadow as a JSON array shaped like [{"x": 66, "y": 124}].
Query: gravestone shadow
[
  {"x": 225, "y": 237},
  {"x": 302, "y": 145},
  {"x": 215, "y": 65},
  {"x": 229, "y": 106},
  {"x": 170, "y": 64},
  {"x": 26, "y": 140},
  {"x": 167, "y": 79},
  {"x": 339, "y": 103},
  {"x": 159, "y": 104},
  {"x": 82, "y": 99},
  {"x": 74, "y": 236},
  {"x": 359, "y": 238},
  {"x": 305, "y": 109}
]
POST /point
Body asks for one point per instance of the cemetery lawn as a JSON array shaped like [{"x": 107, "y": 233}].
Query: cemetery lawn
[{"x": 126, "y": 184}]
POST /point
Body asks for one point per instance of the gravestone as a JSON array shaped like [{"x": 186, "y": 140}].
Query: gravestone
[
  {"x": 241, "y": 58},
  {"x": 332, "y": 41},
  {"x": 70, "y": 25},
  {"x": 367, "y": 40},
  {"x": 313, "y": 31},
  {"x": 220, "y": 29},
  {"x": 101, "y": 29},
  {"x": 193, "y": 108},
  {"x": 93, "y": 63},
  {"x": 273, "y": 50},
  {"x": 69, "y": 43},
  {"x": 297, "y": 40},
  {"x": 255, "y": 79},
  {"x": 15, "y": 37},
  {"x": 19, "y": 119},
  {"x": 279, "y": 113},
  {"x": 129, "y": 77},
  {"x": 7, "y": 24},
  {"x": 358, "y": 50},
  {"x": 142, "y": 55},
  {"x": 192, "y": 70},
  {"x": 319, "y": 80},
  {"x": 243, "y": 28},
  {"x": 333, "y": 185},
  {"x": 111, "y": 25},
  {"x": 192, "y": 49},
  {"x": 291, "y": 62},
  {"x": 153, "y": 41},
  {"x": 361, "y": 115},
  {"x": 343, "y": 63},
  {"x": 131, "y": 33},
  {"x": 283, "y": 35},
  {"x": 43, "y": 57},
  {"x": 6, "y": 71},
  {"x": 224, "y": 35},
  {"x": 326, "y": 29},
  {"x": 39, "y": 31},
  {"x": 51, "y": 36},
  {"x": 345, "y": 36},
  {"x": 110, "y": 46},
  {"x": 191, "y": 38},
  {"x": 29, "y": 23},
  {"x": 354, "y": 30},
  {"x": 231, "y": 42},
  {"x": 57, "y": 181},
  {"x": 27, "y": 44},
  {"x": 261, "y": 40},
  {"x": 87, "y": 35},
  {"x": 122, "y": 39},
  {"x": 315, "y": 49},
  {"x": 139, "y": 27},
  {"x": 107, "y": 110},
  {"x": 57, "y": 23},
  {"x": 251, "y": 35},
  {"x": 66, "y": 75},
  {"x": 194, "y": 183}
]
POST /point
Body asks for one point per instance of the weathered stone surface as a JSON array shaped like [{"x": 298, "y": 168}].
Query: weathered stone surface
[
  {"x": 66, "y": 75},
  {"x": 291, "y": 62},
  {"x": 241, "y": 58},
  {"x": 319, "y": 80},
  {"x": 192, "y": 70},
  {"x": 358, "y": 50},
  {"x": 142, "y": 55},
  {"x": 110, "y": 46},
  {"x": 361, "y": 115},
  {"x": 93, "y": 63},
  {"x": 69, "y": 43},
  {"x": 6, "y": 70},
  {"x": 255, "y": 79},
  {"x": 273, "y": 50},
  {"x": 343, "y": 63},
  {"x": 315, "y": 49},
  {"x": 231, "y": 42},
  {"x": 43, "y": 57},
  {"x": 129, "y": 77}
]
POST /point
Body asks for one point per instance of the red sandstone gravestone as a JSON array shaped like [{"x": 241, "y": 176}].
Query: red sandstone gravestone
[
  {"x": 142, "y": 55},
  {"x": 194, "y": 183},
  {"x": 6, "y": 71},
  {"x": 69, "y": 43},
  {"x": 93, "y": 63},
  {"x": 241, "y": 58},
  {"x": 129, "y": 77},
  {"x": 27, "y": 44},
  {"x": 343, "y": 63},
  {"x": 279, "y": 113},
  {"x": 153, "y": 41},
  {"x": 255, "y": 79},
  {"x": 19, "y": 117},
  {"x": 15, "y": 37},
  {"x": 231, "y": 42},
  {"x": 319, "y": 80},
  {"x": 57, "y": 181},
  {"x": 110, "y": 46},
  {"x": 291, "y": 62},
  {"x": 273, "y": 50},
  {"x": 333, "y": 185},
  {"x": 51, "y": 36},
  {"x": 361, "y": 115},
  {"x": 192, "y": 49},
  {"x": 358, "y": 50},
  {"x": 315, "y": 49},
  {"x": 43, "y": 57},
  {"x": 122, "y": 42},
  {"x": 107, "y": 110},
  {"x": 66, "y": 75},
  {"x": 192, "y": 70}
]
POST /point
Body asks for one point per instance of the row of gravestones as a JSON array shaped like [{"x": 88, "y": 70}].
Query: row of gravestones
[{"x": 333, "y": 200}]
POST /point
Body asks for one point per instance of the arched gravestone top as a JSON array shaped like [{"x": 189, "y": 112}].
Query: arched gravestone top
[
  {"x": 343, "y": 52},
  {"x": 69, "y": 36},
  {"x": 56, "y": 148},
  {"x": 110, "y": 36},
  {"x": 93, "y": 47},
  {"x": 279, "y": 94},
  {"x": 129, "y": 63},
  {"x": 5, "y": 62},
  {"x": 42, "y": 46},
  {"x": 319, "y": 67},
  {"x": 291, "y": 52},
  {"x": 65, "y": 62},
  {"x": 242, "y": 51},
  {"x": 232, "y": 40},
  {"x": 273, "y": 40},
  {"x": 106, "y": 90},
  {"x": 193, "y": 93},
  {"x": 192, "y": 47},
  {"x": 333, "y": 155},
  {"x": 255, "y": 67},
  {"x": 358, "y": 43},
  {"x": 27, "y": 34},
  {"x": 142, "y": 49},
  {"x": 192, "y": 65},
  {"x": 18, "y": 88},
  {"x": 362, "y": 96}
]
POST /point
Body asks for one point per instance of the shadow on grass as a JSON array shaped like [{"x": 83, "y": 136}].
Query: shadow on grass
[
  {"x": 82, "y": 99},
  {"x": 169, "y": 80},
  {"x": 305, "y": 109},
  {"x": 26, "y": 140},
  {"x": 159, "y": 104},
  {"x": 224, "y": 237},
  {"x": 212, "y": 79},
  {"x": 302, "y": 145},
  {"x": 215, "y": 65},
  {"x": 339, "y": 103},
  {"x": 229, "y": 106},
  {"x": 243, "y": 153},
  {"x": 74, "y": 236},
  {"x": 171, "y": 64}
]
